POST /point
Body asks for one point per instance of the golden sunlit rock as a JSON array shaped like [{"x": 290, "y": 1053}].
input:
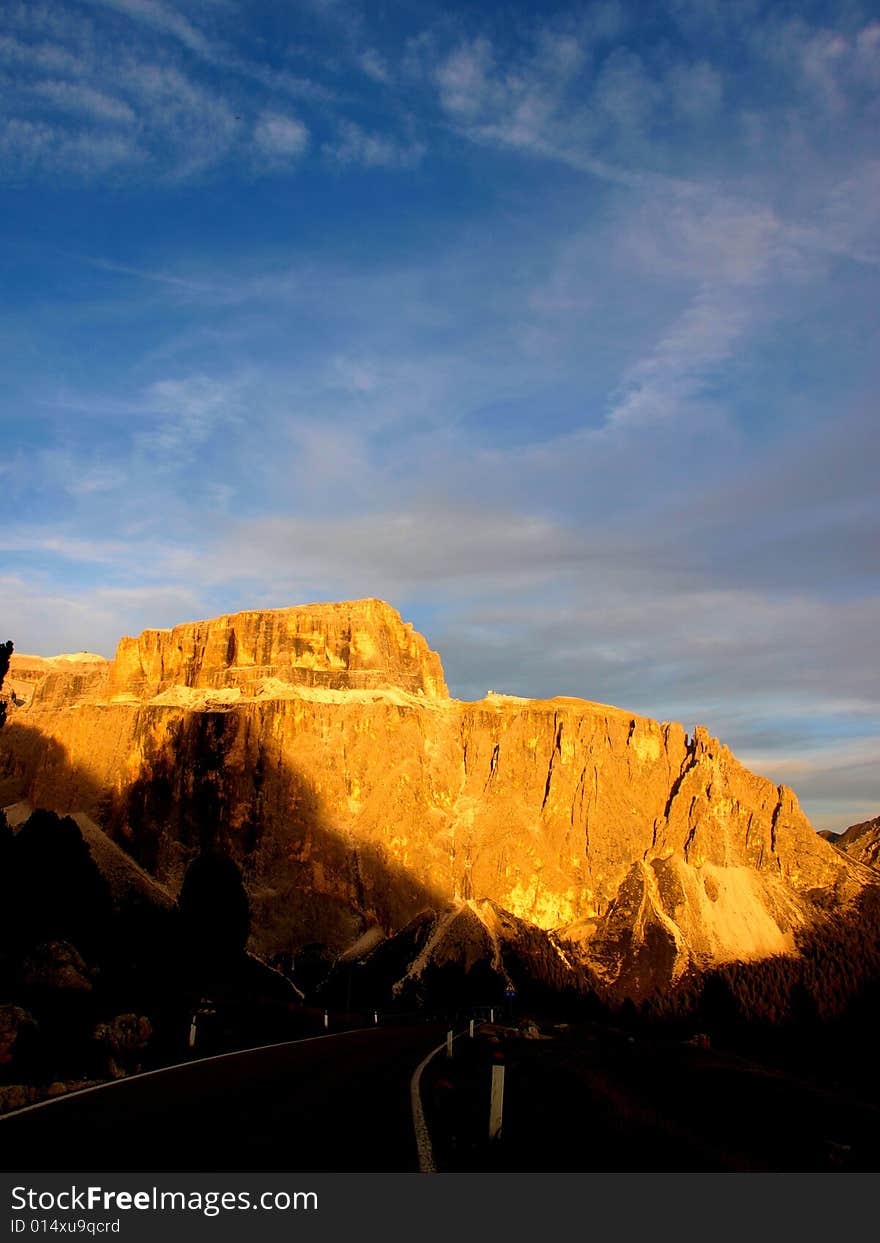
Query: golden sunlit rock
[{"x": 320, "y": 747}]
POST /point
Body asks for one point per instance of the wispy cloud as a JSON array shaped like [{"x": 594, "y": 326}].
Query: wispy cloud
[
  {"x": 538, "y": 106},
  {"x": 186, "y": 413},
  {"x": 395, "y": 551},
  {"x": 185, "y": 284},
  {"x": 671, "y": 382},
  {"x": 558, "y": 331},
  {"x": 75, "y": 97},
  {"x": 44, "y": 56},
  {"x": 374, "y": 65},
  {"x": 91, "y": 617},
  {"x": 198, "y": 124},
  {"x": 355, "y": 145},
  {"x": 29, "y": 146},
  {"x": 279, "y": 137},
  {"x": 162, "y": 18}
]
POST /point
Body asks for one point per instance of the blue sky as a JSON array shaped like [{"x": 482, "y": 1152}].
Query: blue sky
[{"x": 555, "y": 326}]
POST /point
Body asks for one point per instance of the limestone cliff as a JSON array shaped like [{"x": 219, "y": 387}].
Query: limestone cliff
[
  {"x": 344, "y": 646},
  {"x": 61, "y": 680},
  {"x": 321, "y": 746}
]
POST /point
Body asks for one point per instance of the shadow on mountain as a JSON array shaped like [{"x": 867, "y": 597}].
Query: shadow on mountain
[
  {"x": 337, "y": 919},
  {"x": 200, "y": 820},
  {"x": 816, "y": 1013}
]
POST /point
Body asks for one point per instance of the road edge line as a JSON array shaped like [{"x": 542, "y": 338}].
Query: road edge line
[
  {"x": 427, "y": 1164},
  {"x": 161, "y": 1070},
  {"x": 423, "y": 1136}
]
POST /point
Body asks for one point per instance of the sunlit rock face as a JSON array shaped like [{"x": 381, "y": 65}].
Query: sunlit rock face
[
  {"x": 62, "y": 680},
  {"x": 320, "y": 746},
  {"x": 348, "y": 646}
]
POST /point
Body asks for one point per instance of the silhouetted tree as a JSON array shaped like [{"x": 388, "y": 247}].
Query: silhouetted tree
[
  {"x": 214, "y": 908},
  {"x": 718, "y": 1009},
  {"x": 5, "y": 656},
  {"x": 52, "y": 888},
  {"x": 803, "y": 1011}
]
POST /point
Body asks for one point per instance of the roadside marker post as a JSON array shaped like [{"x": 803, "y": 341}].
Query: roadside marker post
[
  {"x": 192, "y": 1033},
  {"x": 471, "y": 1029},
  {"x": 491, "y": 1014},
  {"x": 326, "y": 1019},
  {"x": 376, "y": 1017},
  {"x": 449, "y": 1043},
  {"x": 496, "y": 1099}
]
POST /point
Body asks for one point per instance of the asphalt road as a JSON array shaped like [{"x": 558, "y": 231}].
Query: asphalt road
[
  {"x": 335, "y": 1104},
  {"x": 589, "y": 1101}
]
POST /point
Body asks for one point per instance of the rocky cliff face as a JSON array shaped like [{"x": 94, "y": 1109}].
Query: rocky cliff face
[
  {"x": 62, "y": 680},
  {"x": 320, "y": 746},
  {"x": 346, "y": 646}
]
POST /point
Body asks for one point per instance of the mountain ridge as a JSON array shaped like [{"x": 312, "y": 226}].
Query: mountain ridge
[{"x": 354, "y": 792}]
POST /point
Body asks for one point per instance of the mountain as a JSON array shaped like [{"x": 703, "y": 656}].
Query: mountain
[
  {"x": 862, "y": 842},
  {"x": 319, "y": 747}
]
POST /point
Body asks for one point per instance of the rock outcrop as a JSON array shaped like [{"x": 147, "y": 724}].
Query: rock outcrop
[
  {"x": 349, "y": 646},
  {"x": 319, "y": 746},
  {"x": 862, "y": 842},
  {"x": 62, "y": 679}
]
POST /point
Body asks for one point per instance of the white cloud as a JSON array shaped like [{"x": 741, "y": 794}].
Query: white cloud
[
  {"x": 538, "y": 104},
  {"x": 281, "y": 137},
  {"x": 70, "y": 548},
  {"x": 705, "y": 235},
  {"x": 47, "y": 57},
  {"x": 625, "y": 93},
  {"x": 162, "y": 19},
  {"x": 823, "y": 55},
  {"x": 670, "y": 382},
  {"x": 374, "y": 65},
  {"x": 828, "y": 65},
  {"x": 696, "y": 91},
  {"x": 90, "y": 154},
  {"x": 49, "y": 21},
  {"x": 867, "y": 54},
  {"x": 77, "y": 97},
  {"x": 95, "y": 480},
  {"x": 193, "y": 409},
  {"x": 46, "y": 621},
  {"x": 848, "y": 221},
  {"x": 191, "y": 124},
  {"x": 282, "y": 80},
  {"x": 173, "y": 281},
  {"x": 196, "y": 397},
  {"x": 27, "y": 142},
  {"x": 370, "y": 150},
  {"x": 673, "y": 559},
  {"x": 836, "y": 783},
  {"x": 466, "y": 81},
  {"x": 28, "y": 145},
  {"x": 390, "y": 553}
]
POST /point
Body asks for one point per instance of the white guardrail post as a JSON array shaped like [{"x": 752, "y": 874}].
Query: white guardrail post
[{"x": 496, "y": 1099}]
